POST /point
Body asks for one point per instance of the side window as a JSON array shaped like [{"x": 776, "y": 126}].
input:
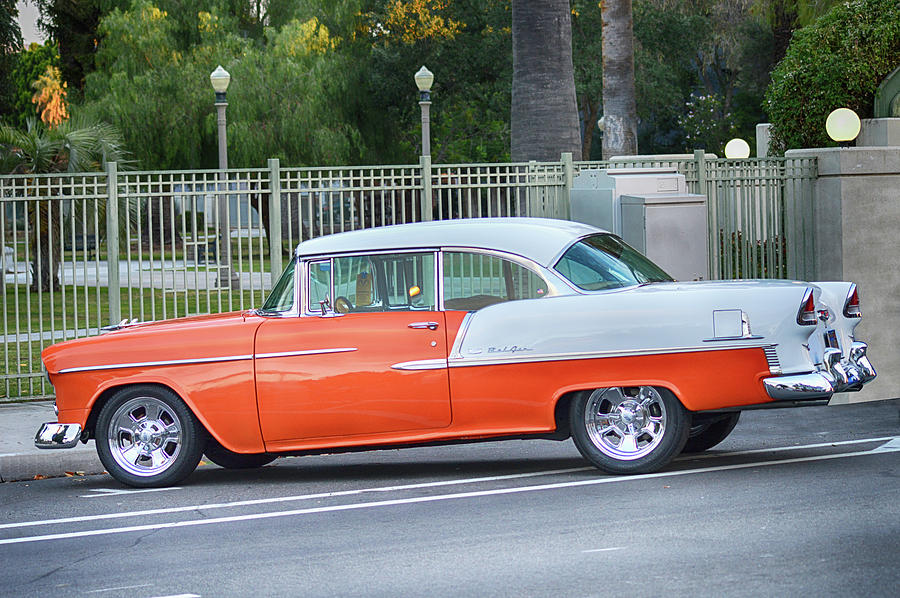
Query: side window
[
  {"x": 319, "y": 283},
  {"x": 373, "y": 283},
  {"x": 473, "y": 281}
]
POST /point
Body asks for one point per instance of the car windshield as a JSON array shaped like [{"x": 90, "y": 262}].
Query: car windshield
[
  {"x": 605, "y": 262},
  {"x": 282, "y": 296}
]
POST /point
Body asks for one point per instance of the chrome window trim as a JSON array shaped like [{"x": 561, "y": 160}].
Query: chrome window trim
[
  {"x": 295, "y": 310},
  {"x": 549, "y": 277},
  {"x": 575, "y": 287},
  {"x": 308, "y": 312}
]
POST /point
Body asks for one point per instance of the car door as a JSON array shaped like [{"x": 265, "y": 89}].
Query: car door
[{"x": 375, "y": 364}]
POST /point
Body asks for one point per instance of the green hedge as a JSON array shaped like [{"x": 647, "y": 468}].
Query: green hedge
[{"x": 838, "y": 61}]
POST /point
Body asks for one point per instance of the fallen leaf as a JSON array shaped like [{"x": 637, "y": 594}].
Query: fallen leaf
[{"x": 38, "y": 476}]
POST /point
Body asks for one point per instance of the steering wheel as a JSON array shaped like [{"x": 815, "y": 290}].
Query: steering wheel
[{"x": 342, "y": 305}]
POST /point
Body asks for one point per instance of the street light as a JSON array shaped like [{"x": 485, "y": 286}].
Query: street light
[
  {"x": 842, "y": 125},
  {"x": 737, "y": 149},
  {"x": 220, "y": 79},
  {"x": 424, "y": 79}
]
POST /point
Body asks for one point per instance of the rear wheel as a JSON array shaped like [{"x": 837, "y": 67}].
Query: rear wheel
[
  {"x": 222, "y": 457},
  {"x": 635, "y": 429},
  {"x": 147, "y": 437},
  {"x": 707, "y": 433}
]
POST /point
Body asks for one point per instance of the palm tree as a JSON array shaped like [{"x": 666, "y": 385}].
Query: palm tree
[
  {"x": 619, "y": 104},
  {"x": 544, "y": 115},
  {"x": 74, "y": 145}
]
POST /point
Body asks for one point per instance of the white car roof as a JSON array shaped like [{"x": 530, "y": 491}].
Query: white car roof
[{"x": 541, "y": 240}]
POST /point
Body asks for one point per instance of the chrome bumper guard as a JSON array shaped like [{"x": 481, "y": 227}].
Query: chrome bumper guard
[
  {"x": 57, "y": 436},
  {"x": 831, "y": 377}
]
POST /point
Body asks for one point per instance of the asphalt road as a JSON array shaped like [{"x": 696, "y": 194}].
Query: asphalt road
[{"x": 800, "y": 501}]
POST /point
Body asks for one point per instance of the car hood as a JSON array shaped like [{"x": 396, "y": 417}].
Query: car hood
[{"x": 216, "y": 336}]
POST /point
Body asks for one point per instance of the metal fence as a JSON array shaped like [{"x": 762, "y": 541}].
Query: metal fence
[{"x": 81, "y": 251}]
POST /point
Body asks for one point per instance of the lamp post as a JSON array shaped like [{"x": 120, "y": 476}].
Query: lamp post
[
  {"x": 424, "y": 79},
  {"x": 842, "y": 125},
  {"x": 227, "y": 279},
  {"x": 737, "y": 149}
]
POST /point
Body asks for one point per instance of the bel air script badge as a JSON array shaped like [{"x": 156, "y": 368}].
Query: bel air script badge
[{"x": 509, "y": 349}]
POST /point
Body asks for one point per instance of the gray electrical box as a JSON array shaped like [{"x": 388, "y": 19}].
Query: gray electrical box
[
  {"x": 670, "y": 229},
  {"x": 651, "y": 210},
  {"x": 595, "y": 195}
]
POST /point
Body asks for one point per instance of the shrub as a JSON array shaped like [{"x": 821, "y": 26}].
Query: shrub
[{"x": 838, "y": 61}]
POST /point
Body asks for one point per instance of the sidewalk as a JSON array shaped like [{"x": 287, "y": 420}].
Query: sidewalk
[{"x": 21, "y": 460}]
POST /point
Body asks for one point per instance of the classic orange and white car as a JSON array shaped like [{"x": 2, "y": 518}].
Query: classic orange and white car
[{"x": 457, "y": 330}]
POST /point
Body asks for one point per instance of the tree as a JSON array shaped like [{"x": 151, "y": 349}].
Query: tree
[
  {"x": 786, "y": 16},
  {"x": 10, "y": 45},
  {"x": 32, "y": 63},
  {"x": 73, "y": 146},
  {"x": 72, "y": 25},
  {"x": 544, "y": 114},
  {"x": 838, "y": 61},
  {"x": 619, "y": 100}
]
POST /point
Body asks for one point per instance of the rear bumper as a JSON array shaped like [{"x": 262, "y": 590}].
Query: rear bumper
[
  {"x": 57, "y": 436},
  {"x": 833, "y": 376}
]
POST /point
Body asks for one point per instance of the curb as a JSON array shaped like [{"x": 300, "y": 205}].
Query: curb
[{"x": 57, "y": 463}]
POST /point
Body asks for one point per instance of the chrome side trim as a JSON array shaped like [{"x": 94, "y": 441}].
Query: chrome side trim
[
  {"x": 141, "y": 364},
  {"x": 307, "y": 352},
  {"x": 57, "y": 436},
  {"x": 456, "y": 361},
  {"x": 421, "y": 364},
  {"x": 460, "y": 335},
  {"x": 733, "y": 338},
  {"x": 772, "y": 359}
]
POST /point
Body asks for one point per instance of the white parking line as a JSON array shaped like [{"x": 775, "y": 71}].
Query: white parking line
[
  {"x": 281, "y": 499},
  {"x": 437, "y": 498},
  {"x": 611, "y": 549},
  {"x": 117, "y": 589},
  {"x": 778, "y": 449},
  {"x": 119, "y": 491}
]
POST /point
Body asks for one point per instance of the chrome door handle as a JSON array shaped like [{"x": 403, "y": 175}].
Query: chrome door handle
[{"x": 424, "y": 325}]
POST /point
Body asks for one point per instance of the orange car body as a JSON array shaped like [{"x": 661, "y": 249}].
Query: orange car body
[{"x": 354, "y": 398}]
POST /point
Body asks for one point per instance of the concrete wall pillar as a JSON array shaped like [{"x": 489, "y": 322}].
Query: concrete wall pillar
[{"x": 856, "y": 228}]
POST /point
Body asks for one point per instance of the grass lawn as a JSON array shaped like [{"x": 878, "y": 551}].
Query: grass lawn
[{"x": 32, "y": 321}]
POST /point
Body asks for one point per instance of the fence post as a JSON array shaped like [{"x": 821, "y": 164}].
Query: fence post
[
  {"x": 274, "y": 219},
  {"x": 112, "y": 243},
  {"x": 568, "y": 175},
  {"x": 700, "y": 159},
  {"x": 425, "y": 165},
  {"x": 712, "y": 224}
]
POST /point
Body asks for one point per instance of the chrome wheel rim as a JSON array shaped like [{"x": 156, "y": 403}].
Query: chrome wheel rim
[
  {"x": 145, "y": 436},
  {"x": 626, "y": 423}
]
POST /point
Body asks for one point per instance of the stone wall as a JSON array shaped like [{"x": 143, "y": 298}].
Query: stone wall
[{"x": 857, "y": 237}]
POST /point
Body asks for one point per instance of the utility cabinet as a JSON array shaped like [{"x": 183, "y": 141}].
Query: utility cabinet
[
  {"x": 670, "y": 229},
  {"x": 651, "y": 210}
]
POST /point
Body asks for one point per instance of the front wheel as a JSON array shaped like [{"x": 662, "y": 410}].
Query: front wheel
[
  {"x": 147, "y": 437},
  {"x": 625, "y": 430}
]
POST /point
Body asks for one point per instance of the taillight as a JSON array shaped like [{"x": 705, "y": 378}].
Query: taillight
[
  {"x": 851, "y": 307},
  {"x": 807, "y": 314}
]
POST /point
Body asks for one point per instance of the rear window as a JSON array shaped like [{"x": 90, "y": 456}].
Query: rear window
[{"x": 605, "y": 262}]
